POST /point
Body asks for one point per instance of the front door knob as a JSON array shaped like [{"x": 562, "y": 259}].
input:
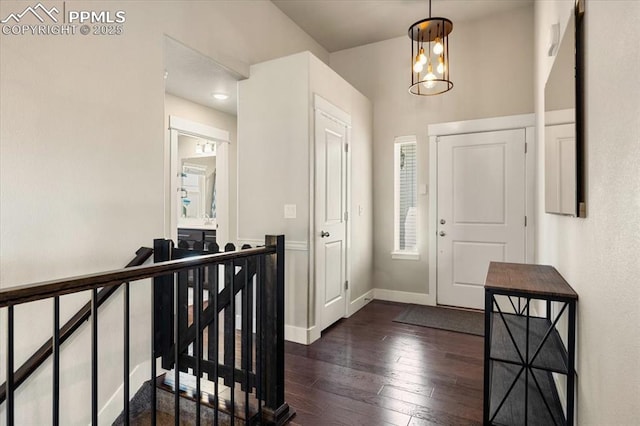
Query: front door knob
[
  {"x": 442, "y": 233},
  {"x": 324, "y": 234}
]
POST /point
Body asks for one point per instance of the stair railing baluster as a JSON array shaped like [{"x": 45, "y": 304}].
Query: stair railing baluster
[
  {"x": 232, "y": 304},
  {"x": 176, "y": 350},
  {"x": 94, "y": 357},
  {"x": 197, "y": 301},
  {"x": 229, "y": 316},
  {"x": 10, "y": 402},
  {"x": 276, "y": 410},
  {"x": 246, "y": 338},
  {"x": 259, "y": 349},
  {"x": 162, "y": 297},
  {"x": 56, "y": 362},
  {"x": 152, "y": 382},
  {"x": 215, "y": 344},
  {"x": 126, "y": 353}
]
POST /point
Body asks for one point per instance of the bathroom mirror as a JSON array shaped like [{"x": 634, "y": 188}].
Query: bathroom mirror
[
  {"x": 564, "y": 141},
  {"x": 197, "y": 178}
]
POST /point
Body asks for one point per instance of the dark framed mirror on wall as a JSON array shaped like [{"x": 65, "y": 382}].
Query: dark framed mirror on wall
[{"x": 565, "y": 174}]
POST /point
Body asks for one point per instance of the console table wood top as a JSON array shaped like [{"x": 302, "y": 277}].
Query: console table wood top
[{"x": 541, "y": 280}]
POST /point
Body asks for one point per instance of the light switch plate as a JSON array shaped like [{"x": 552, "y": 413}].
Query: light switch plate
[
  {"x": 423, "y": 189},
  {"x": 289, "y": 211}
]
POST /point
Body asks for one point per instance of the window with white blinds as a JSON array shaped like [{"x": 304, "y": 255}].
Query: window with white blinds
[{"x": 405, "y": 197}]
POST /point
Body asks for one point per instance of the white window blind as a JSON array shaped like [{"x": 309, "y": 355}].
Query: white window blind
[{"x": 406, "y": 194}]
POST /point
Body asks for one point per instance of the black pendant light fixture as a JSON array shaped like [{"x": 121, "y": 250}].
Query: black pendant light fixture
[{"x": 430, "y": 56}]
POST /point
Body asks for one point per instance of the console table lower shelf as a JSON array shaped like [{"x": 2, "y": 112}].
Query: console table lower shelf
[{"x": 544, "y": 407}]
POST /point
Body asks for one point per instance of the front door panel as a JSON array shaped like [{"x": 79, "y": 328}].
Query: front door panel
[{"x": 481, "y": 209}]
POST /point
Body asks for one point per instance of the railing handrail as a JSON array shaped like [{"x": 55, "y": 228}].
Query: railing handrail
[{"x": 47, "y": 289}]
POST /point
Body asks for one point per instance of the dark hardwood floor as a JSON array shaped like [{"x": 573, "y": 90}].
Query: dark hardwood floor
[{"x": 369, "y": 370}]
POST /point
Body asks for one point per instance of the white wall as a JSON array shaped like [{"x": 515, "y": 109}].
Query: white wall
[
  {"x": 273, "y": 148},
  {"x": 82, "y": 159},
  {"x": 492, "y": 72},
  {"x": 599, "y": 255},
  {"x": 275, "y": 167}
]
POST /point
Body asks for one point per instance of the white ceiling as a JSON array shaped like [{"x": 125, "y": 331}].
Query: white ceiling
[
  {"x": 196, "y": 77},
  {"x": 343, "y": 24},
  {"x": 335, "y": 24}
]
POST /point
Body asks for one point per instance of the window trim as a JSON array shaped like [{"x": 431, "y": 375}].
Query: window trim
[
  {"x": 405, "y": 255},
  {"x": 397, "y": 253}
]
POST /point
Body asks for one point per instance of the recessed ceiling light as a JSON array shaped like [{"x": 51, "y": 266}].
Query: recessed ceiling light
[{"x": 220, "y": 96}]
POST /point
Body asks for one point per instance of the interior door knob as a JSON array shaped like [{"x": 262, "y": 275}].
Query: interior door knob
[
  {"x": 442, "y": 233},
  {"x": 324, "y": 234}
]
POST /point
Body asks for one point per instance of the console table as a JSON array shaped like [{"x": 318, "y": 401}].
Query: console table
[{"x": 525, "y": 308}]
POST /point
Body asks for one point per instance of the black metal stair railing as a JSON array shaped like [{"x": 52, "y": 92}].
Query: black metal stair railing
[
  {"x": 237, "y": 288},
  {"x": 61, "y": 335},
  {"x": 253, "y": 276}
]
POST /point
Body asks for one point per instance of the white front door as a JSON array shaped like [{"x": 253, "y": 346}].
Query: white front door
[
  {"x": 481, "y": 211},
  {"x": 330, "y": 217}
]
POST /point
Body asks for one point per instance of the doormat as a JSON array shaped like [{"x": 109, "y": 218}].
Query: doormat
[{"x": 450, "y": 319}]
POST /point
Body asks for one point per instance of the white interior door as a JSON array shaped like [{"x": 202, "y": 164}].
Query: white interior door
[
  {"x": 330, "y": 217},
  {"x": 481, "y": 211}
]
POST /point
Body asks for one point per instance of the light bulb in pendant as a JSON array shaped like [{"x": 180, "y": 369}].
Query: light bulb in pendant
[
  {"x": 440, "y": 67},
  {"x": 428, "y": 80},
  {"x": 422, "y": 56},
  {"x": 438, "y": 48},
  {"x": 417, "y": 66},
  {"x": 198, "y": 148}
]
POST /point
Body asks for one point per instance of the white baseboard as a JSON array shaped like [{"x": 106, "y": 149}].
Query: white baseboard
[
  {"x": 359, "y": 303},
  {"x": 298, "y": 334},
  {"x": 113, "y": 407},
  {"x": 306, "y": 336},
  {"x": 404, "y": 297}
]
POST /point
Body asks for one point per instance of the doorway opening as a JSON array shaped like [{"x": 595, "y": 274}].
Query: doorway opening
[
  {"x": 200, "y": 146},
  {"x": 199, "y": 191}
]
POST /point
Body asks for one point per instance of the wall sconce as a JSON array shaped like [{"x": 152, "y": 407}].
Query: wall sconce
[{"x": 205, "y": 148}]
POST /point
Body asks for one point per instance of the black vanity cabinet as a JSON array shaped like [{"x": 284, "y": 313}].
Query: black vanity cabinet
[{"x": 193, "y": 238}]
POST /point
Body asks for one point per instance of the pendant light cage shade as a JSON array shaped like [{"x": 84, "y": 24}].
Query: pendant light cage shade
[{"x": 430, "y": 56}]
